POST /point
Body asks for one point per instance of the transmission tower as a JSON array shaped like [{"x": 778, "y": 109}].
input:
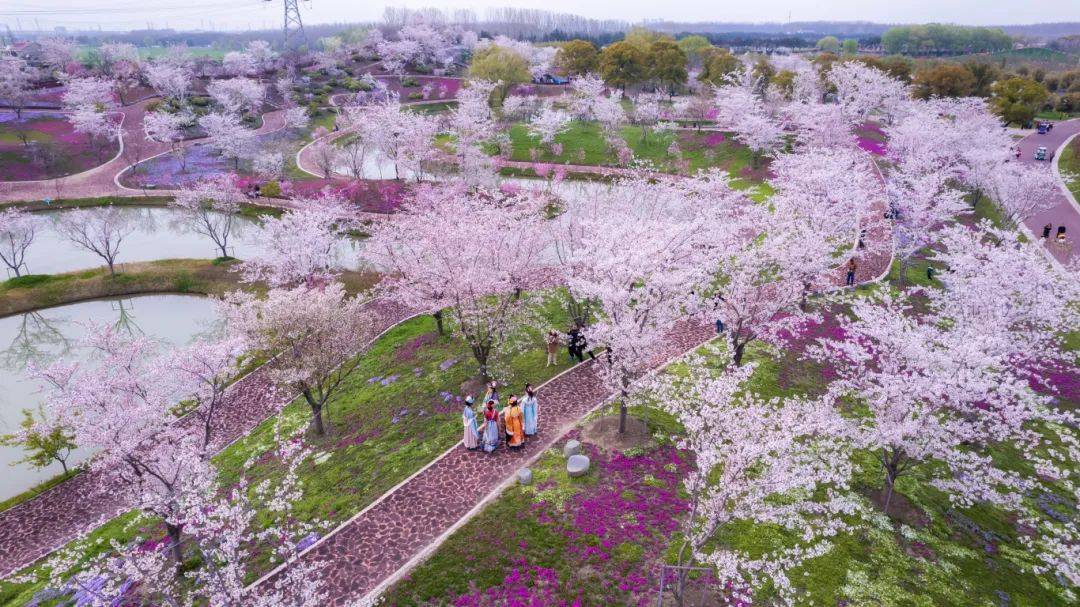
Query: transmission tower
[{"x": 294, "y": 27}]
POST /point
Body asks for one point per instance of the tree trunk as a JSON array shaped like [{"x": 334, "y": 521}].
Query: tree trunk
[
  {"x": 438, "y": 316},
  {"x": 737, "y": 357},
  {"x": 63, "y": 464},
  {"x": 112, "y": 270},
  {"x": 316, "y": 413},
  {"x": 174, "y": 545},
  {"x": 623, "y": 412}
]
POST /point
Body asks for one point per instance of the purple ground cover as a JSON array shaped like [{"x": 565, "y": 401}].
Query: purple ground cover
[
  {"x": 566, "y": 543},
  {"x": 47, "y": 132},
  {"x": 871, "y": 138},
  {"x": 427, "y": 88}
]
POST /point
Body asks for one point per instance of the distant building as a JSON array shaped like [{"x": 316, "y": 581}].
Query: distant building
[{"x": 27, "y": 50}]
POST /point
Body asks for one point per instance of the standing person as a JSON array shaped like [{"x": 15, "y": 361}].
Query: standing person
[
  {"x": 491, "y": 427},
  {"x": 530, "y": 410},
  {"x": 851, "y": 267},
  {"x": 472, "y": 426},
  {"x": 573, "y": 344},
  {"x": 1046, "y": 230},
  {"x": 515, "y": 436},
  {"x": 492, "y": 392},
  {"x": 552, "y": 343},
  {"x": 719, "y": 321}
]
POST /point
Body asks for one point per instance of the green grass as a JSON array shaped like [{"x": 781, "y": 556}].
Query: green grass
[
  {"x": 431, "y": 108},
  {"x": 583, "y": 143},
  {"x": 1069, "y": 165},
  {"x": 372, "y": 444}
]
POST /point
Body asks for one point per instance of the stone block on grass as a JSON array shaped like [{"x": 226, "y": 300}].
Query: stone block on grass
[
  {"x": 525, "y": 476},
  {"x": 572, "y": 447},
  {"x": 577, "y": 465}
]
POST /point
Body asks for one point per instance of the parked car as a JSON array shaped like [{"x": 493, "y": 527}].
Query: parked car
[{"x": 1040, "y": 153}]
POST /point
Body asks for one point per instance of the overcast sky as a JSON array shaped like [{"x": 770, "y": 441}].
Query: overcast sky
[{"x": 243, "y": 14}]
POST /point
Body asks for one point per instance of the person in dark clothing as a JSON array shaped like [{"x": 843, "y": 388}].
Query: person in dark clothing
[
  {"x": 851, "y": 267},
  {"x": 573, "y": 344},
  {"x": 1046, "y": 230}
]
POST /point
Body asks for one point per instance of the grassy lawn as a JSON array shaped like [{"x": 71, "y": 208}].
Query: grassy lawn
[
  {"x": 583, "y": 143},
  {"x": 395, "y": 414},
  {"x": 1069, "y": 165}
]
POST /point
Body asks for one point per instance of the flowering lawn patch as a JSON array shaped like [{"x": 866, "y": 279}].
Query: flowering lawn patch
[
  {"x": 369, "y": 195},
  {"x": 871, "y": 138},
  {"x": 597, "y": 540},
  {"x": 427, "y": 88},
  {"x": 51, "y": 148}
]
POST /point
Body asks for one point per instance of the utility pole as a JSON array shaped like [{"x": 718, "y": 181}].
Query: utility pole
[{"x": 294, "y": 27}]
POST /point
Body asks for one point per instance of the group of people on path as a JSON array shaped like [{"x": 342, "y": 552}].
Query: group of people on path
[{"x": 514, "y": 423}]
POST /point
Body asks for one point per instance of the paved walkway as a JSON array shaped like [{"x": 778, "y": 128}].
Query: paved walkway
[
  {"x": 1064, "y": 210},
  {"x": 54, "y": 518},
  {"x": 101, "y": 180}
]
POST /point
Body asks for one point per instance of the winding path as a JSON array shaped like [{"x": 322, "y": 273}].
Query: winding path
[
  {"x": 102, "y": 180},
  {"x": 1064, "y": 210}
]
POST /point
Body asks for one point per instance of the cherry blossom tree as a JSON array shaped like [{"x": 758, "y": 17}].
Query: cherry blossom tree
[
  {"x": 863, "y": 91},
  {"x": 221, "y": 525},
  {"x": 472, "y": 124},
  {"x": 210, "y": 207},
  {"x": 740, "y": 108},
  {"x": 647, "y": 111},
  {"x": 396, "y": 54},
  {"x": 940, "y": 391},
  {"x": 57, "y": 54},
  {"x": 314, "y": 334},
  {"x": 99, "y": 231},
  {"x": 237, "y": 95},
  {"x": 269, "y": 165},
  {"x": 640, "y": 251},
  {"x": 824, "y": 200},
  {"x": 228, "y": 136},
  {"x": 120, "y": 407},
  {"x": 17, "y": 231},
  {"x": 548, "y": 124},
  {"x": 1022, "y": 190},
  {"x": 168, "y": 128},
  {"x": 169, "y": 79},
  {"x": 476, "y": 269},
  {"x": 201, "y": 373},
  {"x": 16, "y": 84},
  {"x": 304, "y": 245},
  {"x": 120, "y": 63},
  {"x": 783, "y": 462},
  {"x": 403, "y": 137}
]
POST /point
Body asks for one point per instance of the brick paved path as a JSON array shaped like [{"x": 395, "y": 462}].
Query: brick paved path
[{"x": 54, "y": 518}]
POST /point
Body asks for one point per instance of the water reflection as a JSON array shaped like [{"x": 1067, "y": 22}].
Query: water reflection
[{"x": 42, "y": 337}]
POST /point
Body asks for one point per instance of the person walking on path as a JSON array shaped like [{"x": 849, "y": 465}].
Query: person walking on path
[
  {"x": 472, "y": 427},
  {"x": 1046, "y": 230},
  {"x": 552, "y": 343},
  {"x": 515, "y": 435},
  {"x": 491, "y": 427},
  {"x": 851, "y": 267},
  {"x": 530, "y": 410}
]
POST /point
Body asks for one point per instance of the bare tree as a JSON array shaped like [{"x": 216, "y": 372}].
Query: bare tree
[{"x": 99, "y": 231}]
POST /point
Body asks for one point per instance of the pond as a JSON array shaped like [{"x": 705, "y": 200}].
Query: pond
[
  {"x": 45, "y": 336},
  {"x": 159, "y": 234}
]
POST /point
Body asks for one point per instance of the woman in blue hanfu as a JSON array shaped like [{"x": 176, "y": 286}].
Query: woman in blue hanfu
[
  {"x": 529, "y": 408},
  {"x": 472, "y": 427},
  {"x": 491, "y": 427}
]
